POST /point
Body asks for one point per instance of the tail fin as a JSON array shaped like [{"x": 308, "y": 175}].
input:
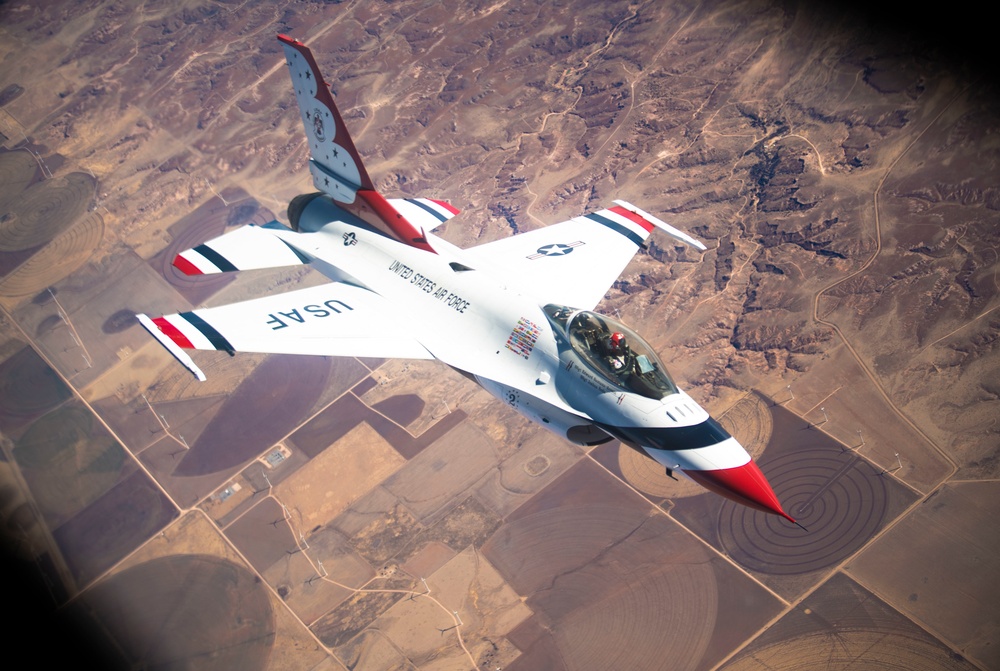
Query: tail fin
[{"x": 335, "y": 164}]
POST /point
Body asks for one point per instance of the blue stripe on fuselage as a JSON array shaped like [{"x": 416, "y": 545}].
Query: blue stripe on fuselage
[{"x": 672, "y": 438}]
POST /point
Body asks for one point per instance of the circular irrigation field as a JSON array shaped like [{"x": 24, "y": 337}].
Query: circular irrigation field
[
  {"x": 839, "y": 498},
  {"x": 44, "y": 210},
  {"x": 615, "y": 599},
  {"x": 187, "y": 611},
  {"x": 45, "y": 230},
  {"x": 650, "y": 477},
  {"x": 190, "y": 236},
  {"x": 28, "y": 387},
  {"x": 64, "y": 254},
  {"x": 850, "y": 651}
]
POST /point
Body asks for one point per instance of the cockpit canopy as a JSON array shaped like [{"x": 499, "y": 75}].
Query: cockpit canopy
[{"x": 615, "y": 351}]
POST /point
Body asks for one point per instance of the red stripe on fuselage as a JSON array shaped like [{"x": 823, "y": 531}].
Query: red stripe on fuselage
[
  {"x": 169, "y": 330},
  {"x": 633, "y": 217}
]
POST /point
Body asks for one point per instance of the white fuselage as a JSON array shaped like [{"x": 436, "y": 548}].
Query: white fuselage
[
  {"x": 467, "y": 317},
  {"x": 506, "y": 313}
]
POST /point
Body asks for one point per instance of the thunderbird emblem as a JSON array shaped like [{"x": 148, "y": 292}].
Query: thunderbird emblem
[{"x": 318, "y": 129}]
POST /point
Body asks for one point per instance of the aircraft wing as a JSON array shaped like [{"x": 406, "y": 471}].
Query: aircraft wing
[
  {"x": 425, "y": 213},
  {"x": 575, "y": 262},
  {"x": 246, "y": 248},
  {"x": 334, "y": 319}
]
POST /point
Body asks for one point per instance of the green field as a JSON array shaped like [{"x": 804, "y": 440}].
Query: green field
[{"x": 68, "y": 461}]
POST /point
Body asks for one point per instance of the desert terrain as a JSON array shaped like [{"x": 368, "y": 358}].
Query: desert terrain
[{"x": 322, "y": 513}]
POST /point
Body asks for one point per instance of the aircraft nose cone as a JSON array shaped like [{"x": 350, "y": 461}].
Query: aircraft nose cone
[{"x": 743, "y": 484}]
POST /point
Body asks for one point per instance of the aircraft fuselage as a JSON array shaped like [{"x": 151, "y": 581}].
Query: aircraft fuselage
[
  {"x": 504, "y": 313},
  {"x": 468, "y": 317}
]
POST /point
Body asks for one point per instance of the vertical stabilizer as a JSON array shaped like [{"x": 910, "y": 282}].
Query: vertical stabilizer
[{"x": 335, "y": 164}]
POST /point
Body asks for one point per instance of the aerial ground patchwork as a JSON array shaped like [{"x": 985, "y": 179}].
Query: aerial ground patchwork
[{"x": 321, "y": 513}]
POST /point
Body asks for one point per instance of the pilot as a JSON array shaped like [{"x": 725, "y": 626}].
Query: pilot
[{"x": 617, "y": 351}]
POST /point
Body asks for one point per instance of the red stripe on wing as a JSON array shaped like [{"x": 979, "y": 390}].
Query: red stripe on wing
[
  {"x": 448, "y": 206},
  {"x": 185, "y": 266},
  {"x": 633, "y": 217},
  {"x": 169, "y": 330}
]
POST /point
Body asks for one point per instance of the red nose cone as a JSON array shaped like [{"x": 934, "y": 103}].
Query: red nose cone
[{"x": 744, "y": 484}]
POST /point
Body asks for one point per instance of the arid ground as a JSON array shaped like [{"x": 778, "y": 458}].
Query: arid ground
[{"x": 325, "y": 514}]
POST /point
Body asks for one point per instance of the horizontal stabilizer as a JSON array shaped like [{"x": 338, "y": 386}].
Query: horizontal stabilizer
[
  {"x": 247, "y": 248},
  {"x": 424, "y": 213}
]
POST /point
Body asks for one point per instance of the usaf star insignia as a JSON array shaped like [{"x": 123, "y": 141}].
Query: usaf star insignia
[{"x": 554, "y": 249}]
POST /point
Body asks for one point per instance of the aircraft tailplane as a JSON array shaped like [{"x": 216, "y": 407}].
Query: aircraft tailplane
[{"x": 335, "y": 163}]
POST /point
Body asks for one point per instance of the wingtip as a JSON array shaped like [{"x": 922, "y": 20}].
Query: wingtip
[
  {"x": 664, "y": 226},
  {"x": 164, "y": 332}
]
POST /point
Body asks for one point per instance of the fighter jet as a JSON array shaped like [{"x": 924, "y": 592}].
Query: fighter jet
[{"x": 516, "y": 315}]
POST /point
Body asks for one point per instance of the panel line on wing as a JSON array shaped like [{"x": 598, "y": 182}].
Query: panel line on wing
[{"x": 299, "y": 255}]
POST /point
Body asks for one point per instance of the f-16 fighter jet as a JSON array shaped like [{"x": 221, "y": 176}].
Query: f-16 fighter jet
[{"x": 515, "y": 315}]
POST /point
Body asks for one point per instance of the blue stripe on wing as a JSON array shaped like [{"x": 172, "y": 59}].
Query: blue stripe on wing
[{"x": 618, "y": 228}]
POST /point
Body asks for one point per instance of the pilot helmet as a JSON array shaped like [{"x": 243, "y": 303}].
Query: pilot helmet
[{"x": 617, "y": 339}]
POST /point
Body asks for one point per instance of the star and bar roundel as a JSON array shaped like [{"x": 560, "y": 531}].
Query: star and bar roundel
[
  {"x": 619, "y": 219},
  {"x": 555, "y": 249}
]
